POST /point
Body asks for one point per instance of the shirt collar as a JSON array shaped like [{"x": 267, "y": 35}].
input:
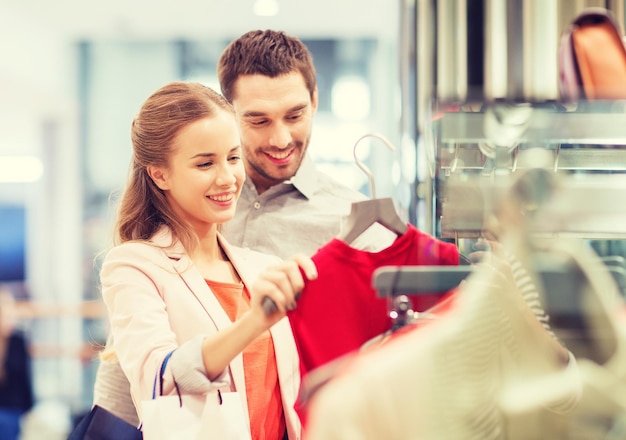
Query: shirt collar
[{"x": 305, "y": 179}]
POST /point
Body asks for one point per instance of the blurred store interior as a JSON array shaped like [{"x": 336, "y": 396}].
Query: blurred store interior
[{"x": 73, "y": 73}]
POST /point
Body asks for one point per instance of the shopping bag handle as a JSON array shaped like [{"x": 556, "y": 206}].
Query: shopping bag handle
[{"x": 159, "y": 376}]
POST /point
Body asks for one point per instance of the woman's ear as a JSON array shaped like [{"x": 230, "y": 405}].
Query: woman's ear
[{"x": 158, "y": 176}]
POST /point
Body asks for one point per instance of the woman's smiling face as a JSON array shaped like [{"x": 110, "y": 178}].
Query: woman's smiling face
[{"x": 203, "y": 179}]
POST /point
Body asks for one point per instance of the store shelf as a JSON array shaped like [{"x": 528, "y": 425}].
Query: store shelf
[
  {"x": 544, "y": 127},
  {"x": 584, "y": 140},
  {"x": 590, "y": 140},
  {"x": 576, "y": 205},
  {"x": 568, "y": 158}
]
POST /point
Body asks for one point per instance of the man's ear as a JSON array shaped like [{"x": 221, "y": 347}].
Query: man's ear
[
  {"x": 158, "y": 176},
  {"x": 314, "y": 100}
]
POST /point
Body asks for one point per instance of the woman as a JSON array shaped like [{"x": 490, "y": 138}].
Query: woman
[{"x": 173, "y": 284}]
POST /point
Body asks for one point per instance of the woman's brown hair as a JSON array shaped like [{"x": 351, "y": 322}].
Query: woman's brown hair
[{"x": 143, "y": 207}]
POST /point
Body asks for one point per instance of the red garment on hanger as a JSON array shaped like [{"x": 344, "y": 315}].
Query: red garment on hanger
[
  {"x": 340, "y": 310},
  {"x": 325, "y": 375}
]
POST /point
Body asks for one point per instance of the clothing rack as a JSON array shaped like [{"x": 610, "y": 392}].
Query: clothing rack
[
  {"x": 414, "y": 280},
  {"x": 562, "y": 281},
  {"x": 397, "y": 282}
]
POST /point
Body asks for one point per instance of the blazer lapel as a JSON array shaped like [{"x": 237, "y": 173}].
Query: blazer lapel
[
  {"x": 239, "y": 263},
  {"x": 198, "y": 287},
  {"x": 248, "y": 268}
]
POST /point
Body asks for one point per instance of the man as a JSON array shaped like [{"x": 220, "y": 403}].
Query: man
[{"x": 287, "y": 206}]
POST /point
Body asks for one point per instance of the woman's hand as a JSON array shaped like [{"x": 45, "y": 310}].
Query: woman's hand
[{"x": 281, "y": 283}]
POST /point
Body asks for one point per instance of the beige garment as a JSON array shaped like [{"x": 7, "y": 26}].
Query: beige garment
[
  {"x": 442, "y": 381},
  {"x": 601, "y": 356}
]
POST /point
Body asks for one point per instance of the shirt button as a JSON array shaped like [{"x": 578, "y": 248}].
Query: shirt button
[{"x": 257, "y": 205}]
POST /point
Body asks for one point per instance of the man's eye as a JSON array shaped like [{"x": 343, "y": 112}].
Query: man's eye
[
  {"x": 258, "y": 123},
  {"x": 294, "y": 117}
]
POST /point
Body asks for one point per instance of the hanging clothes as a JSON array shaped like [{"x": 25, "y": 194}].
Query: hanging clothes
[
  {"x": 318, "y": 378},
  {"x": 600, "y": 349},
  {"x": 443, "y": 380},
  {"x": 340, "y": 310}
]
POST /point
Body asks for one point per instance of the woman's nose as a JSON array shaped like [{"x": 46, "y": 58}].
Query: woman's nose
[{"x": 226, "y": 176}]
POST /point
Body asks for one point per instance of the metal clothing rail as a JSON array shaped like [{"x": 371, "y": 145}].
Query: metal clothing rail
[
  {"x": 575, "y": 314},
  {"x": 413, "y": 280},
  {"x": 416, "y": 280}
]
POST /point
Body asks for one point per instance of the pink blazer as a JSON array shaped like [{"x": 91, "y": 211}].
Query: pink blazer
[{"x": 159, "y": 302}]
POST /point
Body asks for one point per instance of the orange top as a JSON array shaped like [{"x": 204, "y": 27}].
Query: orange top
[{"x": 265, "y": 406}]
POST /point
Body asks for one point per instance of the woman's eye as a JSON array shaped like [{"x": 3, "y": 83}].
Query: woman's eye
[
  {"x": 205, "y": 164},
  {"x": 234, "y": 158}
]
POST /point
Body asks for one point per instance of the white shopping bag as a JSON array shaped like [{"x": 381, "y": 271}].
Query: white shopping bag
[
  {"x": 223, "y": 418},
  {"x": 215, "y": 415}
]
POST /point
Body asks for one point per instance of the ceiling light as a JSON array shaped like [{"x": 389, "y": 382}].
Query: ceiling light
[{"x": 266, "y": 8}]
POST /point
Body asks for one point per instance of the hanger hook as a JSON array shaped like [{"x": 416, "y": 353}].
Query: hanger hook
[
  {"x": 555, "y": 164},
  {"x": 362, "y": 166}
]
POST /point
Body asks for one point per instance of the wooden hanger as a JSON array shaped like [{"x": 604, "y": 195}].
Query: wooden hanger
[{"x": 368, "y": 212}]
